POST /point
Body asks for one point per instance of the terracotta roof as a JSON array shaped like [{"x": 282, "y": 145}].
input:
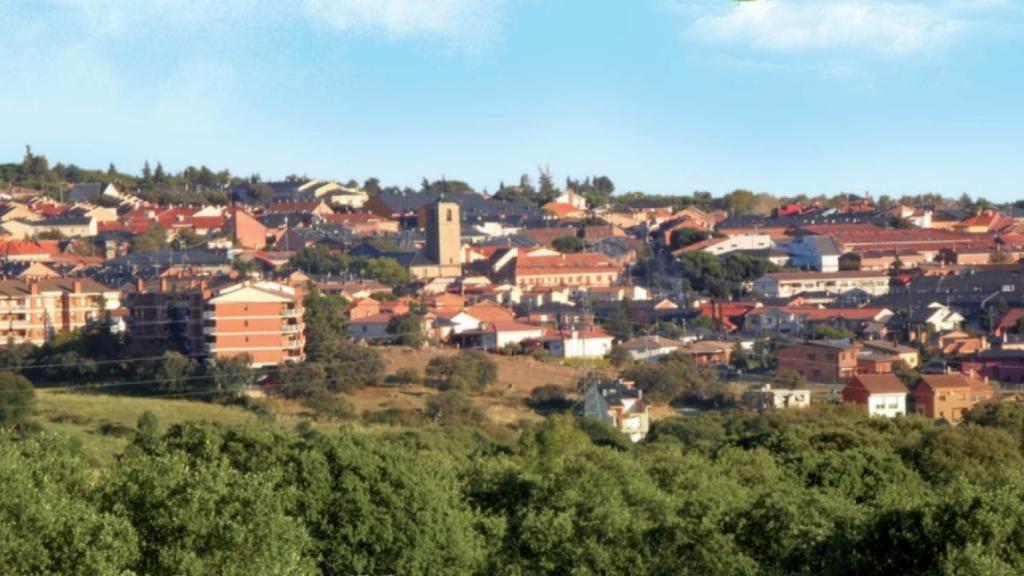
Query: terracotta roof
[
  {"x": 880, "y": 383},
  {"x": 946, "y": 381},
  {"x": 490, "y": 312}
]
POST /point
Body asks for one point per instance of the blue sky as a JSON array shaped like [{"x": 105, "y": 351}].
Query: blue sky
[{"x": 665, "y": 96}]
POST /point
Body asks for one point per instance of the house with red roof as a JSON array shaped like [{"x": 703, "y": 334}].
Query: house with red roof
[{"x": 880, "y": 394}]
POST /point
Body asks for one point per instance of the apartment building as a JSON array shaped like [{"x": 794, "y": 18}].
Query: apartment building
[
  {"x": 260, "y": 318},
  {"x": 573, "y": 270},
  {"x": 36, "y": 310},
  {"x": 788, "y": 284},
  {"x": 825, "y": 362}
]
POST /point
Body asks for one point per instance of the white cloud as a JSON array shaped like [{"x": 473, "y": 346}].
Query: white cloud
[{"x": 886, "y": 27}]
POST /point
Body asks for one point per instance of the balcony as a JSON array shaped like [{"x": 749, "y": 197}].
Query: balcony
[
  {"x": 289, "y": 314},
  {"x": 291, "y": 329}
]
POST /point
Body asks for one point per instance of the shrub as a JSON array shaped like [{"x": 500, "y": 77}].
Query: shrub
[
  {"x": 466, "y": 371},
  {"x": 453, "y": 407},
  {"x": 549, "y": 398},
  {"x": 405, "y": 377}
]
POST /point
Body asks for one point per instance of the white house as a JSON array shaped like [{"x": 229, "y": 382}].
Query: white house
[
  {"x": 373, "y": 328},
  {"x": 498, "y": 335},
  {"x": 619, "y": 405},
  {"x": 594, "y": 343},
  {"x": 819, "y": 253},
  {"x": 882, "y": 394},
  {"x": 646, "y": 348}
]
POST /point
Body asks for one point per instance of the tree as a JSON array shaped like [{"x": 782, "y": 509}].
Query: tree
[
  {"x": 740, "y": 202},
  {"x": 620, "y": 322},
  {"x": 175, "y": 372},
  {"x": 324, "y": 317},
  {"x": 408, "y": 329},
  {"x": 549, "y": 398},
  {"x": 999, "y": 257},
  {"x": 353, "y": 366},
  {"x": 153, "y": 239},
  {"x": 232, "y": 375},
  {"x": 159, "y": 176},
  {"x": 261, "y": 194},
  {"x": 147, "y": 173},
  {"x": 111, "y": 170},
  {"x": 372, "y": 186},
  {"x": 687, "y": 236},
  {"x": 49, "y": 517},
  {"x": 17, "y": 400},
  {"x": 196, "y": 516},
  {"x": 826, "y": 332},
  {"x": 788, "y": 380},
  {"x": 148, "y": 427},
  {"x": 452, "y": 407},
  {"x": 187, "y": 238},
  {"x": 547, "y": 191},
  {"x": 469, "y": 370},
  {"x": 569, "y": 244}
]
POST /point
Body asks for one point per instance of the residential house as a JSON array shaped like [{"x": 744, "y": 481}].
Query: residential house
[
  {"x": 92, "y": 191},
  {"x": 766, "y": 397},
  {"x": 619, "y": 405},
  {"x": 948, "y": 397},
  {"x": 881, "y": 394},
  {"x": 646, "y": 348},
  {"x": 592, "y": 343},
  {"x": 820, "y": 361},
  {"x": 814, "y": 252}
]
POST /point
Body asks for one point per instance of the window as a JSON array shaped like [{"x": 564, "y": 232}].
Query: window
[{"x": 448, "y": 216}]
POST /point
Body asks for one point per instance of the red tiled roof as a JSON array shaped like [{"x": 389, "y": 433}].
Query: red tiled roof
[{"x": 880, "y": 383}]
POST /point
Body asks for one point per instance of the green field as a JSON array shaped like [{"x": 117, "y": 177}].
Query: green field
[{"x": 103, "y": 425}]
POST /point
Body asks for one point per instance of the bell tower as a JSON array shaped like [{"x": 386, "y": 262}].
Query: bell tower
[{"x": 444, "y": 237}]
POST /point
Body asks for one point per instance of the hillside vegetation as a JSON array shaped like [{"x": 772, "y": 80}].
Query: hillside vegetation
[{"x": 822, "y": 492}]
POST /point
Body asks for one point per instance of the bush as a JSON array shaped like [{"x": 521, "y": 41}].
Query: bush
[
  {"x": 329, "y": 406},
  {"x": 549, "y": 398},
  {"x": 453, "y": 407},
  {"x": 405, "y": 377},
  {"x": 17, "y": 399},
  {"x": 471, "y": 370}
]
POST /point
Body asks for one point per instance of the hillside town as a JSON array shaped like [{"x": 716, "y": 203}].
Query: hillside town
[{"x": 664, "y": 304}]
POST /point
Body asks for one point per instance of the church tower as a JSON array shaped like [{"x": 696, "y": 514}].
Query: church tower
[{"x": 444, "y": 237}]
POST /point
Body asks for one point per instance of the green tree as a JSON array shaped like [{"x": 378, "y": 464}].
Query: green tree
[
  {"x": 232, "y": 375},
  {"x": 569, "y": 244},
  {"x": 175, "y": 372},
  {"x": 469, "y": 370},
  {"x": 49, "y": 521},
  {"x": 205, "y": 517},
  {"x": 17, "y": 399},
  {"x": 409, "y": 330},
  {"x": 154, "y": 239}
]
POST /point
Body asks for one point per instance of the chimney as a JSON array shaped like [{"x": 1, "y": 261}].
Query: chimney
[
  {"x": 140, "y": 285},
  {"x": 163, "y": 284},
  {"x": 33, "y": 287},
  {"x": 76, "y": 286}
]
